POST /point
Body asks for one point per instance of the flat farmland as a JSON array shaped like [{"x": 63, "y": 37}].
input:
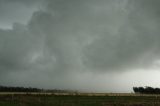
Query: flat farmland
[{"x": 78, "y": 99}]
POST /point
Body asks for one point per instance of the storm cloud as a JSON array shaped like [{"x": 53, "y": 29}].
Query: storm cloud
[{"x": 68, "y": 41}]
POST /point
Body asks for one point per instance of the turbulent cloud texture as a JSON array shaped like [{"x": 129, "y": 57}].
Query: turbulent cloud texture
[{"x": 66, "y": 38}]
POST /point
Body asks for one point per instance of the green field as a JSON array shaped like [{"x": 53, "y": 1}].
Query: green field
[{"x": 77, "y": 100}]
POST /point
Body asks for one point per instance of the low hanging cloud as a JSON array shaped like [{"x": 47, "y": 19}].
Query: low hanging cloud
[{"x": 71, "y": 36}]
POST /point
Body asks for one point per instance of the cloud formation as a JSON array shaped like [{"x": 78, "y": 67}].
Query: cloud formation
[
  {"x": 17, "y": 11},
  {"x": 66, "y": 38}
]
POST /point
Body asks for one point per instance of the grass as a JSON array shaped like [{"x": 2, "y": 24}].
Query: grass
[{"x": 77, "y": 100}]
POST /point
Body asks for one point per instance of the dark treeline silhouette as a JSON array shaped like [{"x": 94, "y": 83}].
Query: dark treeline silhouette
[
  {"x": 30, "y": 89},
  {"x": 146, "y": 90},
  {"x": 18, "y": 89}
]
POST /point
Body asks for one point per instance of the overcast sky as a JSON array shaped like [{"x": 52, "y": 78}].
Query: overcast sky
[{"x": 86, "y": 45}]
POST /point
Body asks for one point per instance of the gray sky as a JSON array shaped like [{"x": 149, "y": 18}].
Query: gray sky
[{"x": 87, "y": 45}]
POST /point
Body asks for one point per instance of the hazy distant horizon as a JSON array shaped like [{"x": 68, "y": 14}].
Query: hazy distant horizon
[{"x": 86, "y": 45}]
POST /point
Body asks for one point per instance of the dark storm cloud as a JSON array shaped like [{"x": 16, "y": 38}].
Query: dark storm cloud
[
  {"x": 136, "y": 43},
  {"x": 15, "y": 47},
  {"x": 68, "y": 37},
  {"x": 120, "y": 33},
  {"x": 98, "y": 35}
]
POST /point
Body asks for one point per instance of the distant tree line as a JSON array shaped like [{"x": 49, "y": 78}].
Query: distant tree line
[
  {"x": 18, "y": 89},
  {"x": 146, "y": 90},
  {"x": 30, "y": 89}
]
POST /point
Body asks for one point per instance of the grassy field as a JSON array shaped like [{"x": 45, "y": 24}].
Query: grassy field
[{"x": 78, "y": 100}]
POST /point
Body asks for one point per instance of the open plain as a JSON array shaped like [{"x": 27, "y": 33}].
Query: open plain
[{"x": 78, "y": 99}]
